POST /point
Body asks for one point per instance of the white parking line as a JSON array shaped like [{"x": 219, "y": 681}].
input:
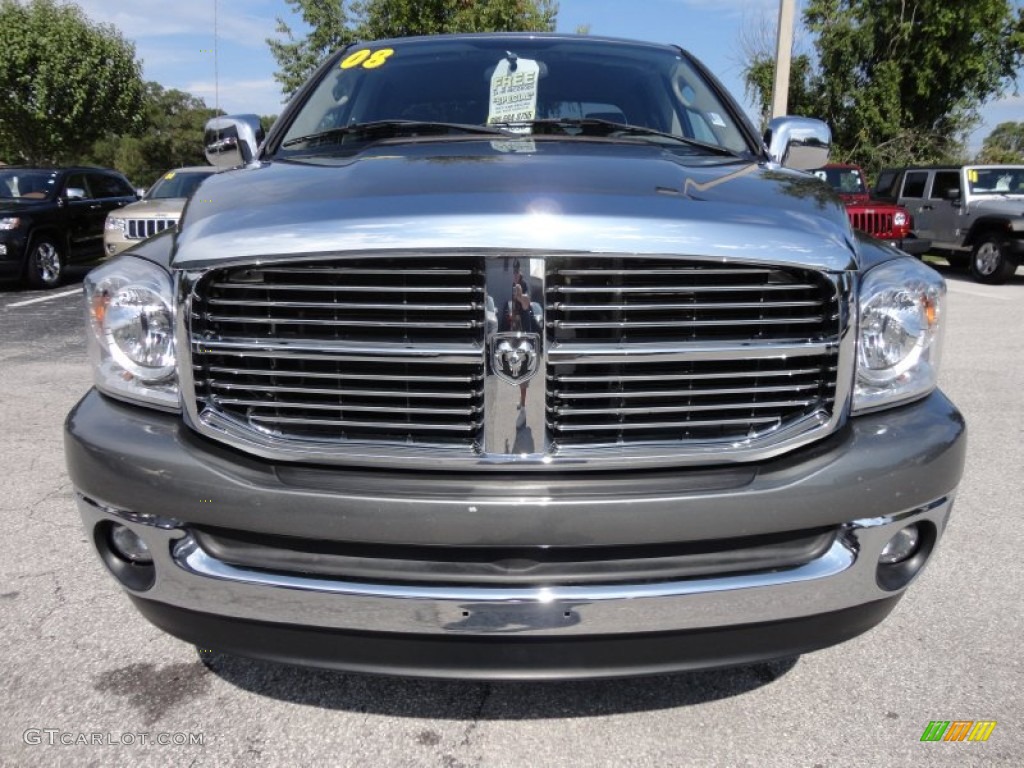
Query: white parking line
[
  {"x": 958, "y": 288},
  {"x": 48, "y": 297}
]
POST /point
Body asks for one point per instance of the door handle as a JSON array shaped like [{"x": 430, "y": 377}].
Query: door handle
[{"x": 925, "y": 208}]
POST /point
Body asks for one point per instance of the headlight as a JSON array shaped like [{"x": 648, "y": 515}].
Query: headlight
[
  {"x": 114, "y": 223},
  {"x": 902, "y": 304},
  {"x": 9, "y": 222},
  {"x": 129, "y": 308},
  {"x": 899, "y": 219}
]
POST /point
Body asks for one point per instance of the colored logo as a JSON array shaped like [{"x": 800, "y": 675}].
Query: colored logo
[{"x": 958, "y": 730}]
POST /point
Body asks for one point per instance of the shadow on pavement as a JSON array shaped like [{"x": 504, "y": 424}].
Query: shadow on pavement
[{"x": 457, "y": 700}]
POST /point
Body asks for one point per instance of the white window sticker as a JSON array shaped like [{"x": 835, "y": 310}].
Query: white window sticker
[
  {"x": 514, "y": 92},
  {"x": 716, "y": 119}
]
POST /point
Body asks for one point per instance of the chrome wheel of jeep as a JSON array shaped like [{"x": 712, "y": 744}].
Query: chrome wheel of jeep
[
  {"x": 989, "y": 265},
  {"x": 45, "y": 265}
]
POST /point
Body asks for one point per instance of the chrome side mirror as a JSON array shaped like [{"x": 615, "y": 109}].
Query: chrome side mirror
[
  {"x": 798, "y": 142},
  {"x": 233, "y": 140}
]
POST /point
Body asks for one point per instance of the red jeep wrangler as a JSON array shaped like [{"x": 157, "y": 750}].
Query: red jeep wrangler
[{"x": 883, "y": 220}]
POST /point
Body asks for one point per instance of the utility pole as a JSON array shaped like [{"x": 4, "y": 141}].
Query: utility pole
[
  {"x": 783, "y": 54},
  {"x": 216, "y": 66}
]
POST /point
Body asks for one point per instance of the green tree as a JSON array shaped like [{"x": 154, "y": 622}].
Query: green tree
[
  {"x": 334, "y": 23},
  {"x": 1004, "y": 145},
  {"x": 297, "y": 57},
  {"x": 901, "y": 81},
  {"x": 172, "y": 136},
  {"x": 63, "y": 82},
  {"x": 403, "y": 18}
]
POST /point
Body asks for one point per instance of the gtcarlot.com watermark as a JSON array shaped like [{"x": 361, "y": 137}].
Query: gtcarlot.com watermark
[{"x": 55, "y": 737}]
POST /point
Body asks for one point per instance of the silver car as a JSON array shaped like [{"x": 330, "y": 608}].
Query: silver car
[{"x": 158, "y": 210}]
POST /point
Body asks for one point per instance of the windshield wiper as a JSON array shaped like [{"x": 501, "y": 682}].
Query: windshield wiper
[
  {"x": 385, "y": 129},
  {"x": 587, "y": 126}
]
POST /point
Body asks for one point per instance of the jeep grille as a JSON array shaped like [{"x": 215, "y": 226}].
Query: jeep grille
[{"x": 140, "y": 229}]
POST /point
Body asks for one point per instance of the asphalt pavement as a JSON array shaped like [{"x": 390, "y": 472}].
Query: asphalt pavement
[{"x": 87, "y": 681}]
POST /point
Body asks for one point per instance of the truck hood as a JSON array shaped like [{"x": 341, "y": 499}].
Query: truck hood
[{"x": 515, "y": 194}]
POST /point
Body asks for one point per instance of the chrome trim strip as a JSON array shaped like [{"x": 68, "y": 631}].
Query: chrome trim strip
[
  {"x": 562, "y": 307},
  {"x": 667, "y": 353},
  {"x": 628, "y": 324},
  {"x": 190, "y": 557},
  {"x": 363, "y": 323},
  {"x": 682, "y": 289},
  {"x": 298, "y": 287},
  {"x": 343, "y": 305}
]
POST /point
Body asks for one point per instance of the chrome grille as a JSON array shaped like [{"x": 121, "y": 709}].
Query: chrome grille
[
  {"x": 643, "y": 361},
  {"x": 140, "y": 229},
  {"x": 874, "y": 223},
  {"x": 380, "y": 350},
  {"x": 664, "y": 351}
]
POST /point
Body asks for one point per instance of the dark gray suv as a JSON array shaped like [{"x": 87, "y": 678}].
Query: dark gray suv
[{"x": 515, "y": 356}]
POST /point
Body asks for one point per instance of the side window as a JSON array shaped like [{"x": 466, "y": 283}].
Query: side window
[
  {"x": 886, "y": 181},
  {"x": 944, "y": 181},
  {"x": 77, "y": 181},
  {"x": 108, "y": 186},
  {"x": 913, "y": 185}
]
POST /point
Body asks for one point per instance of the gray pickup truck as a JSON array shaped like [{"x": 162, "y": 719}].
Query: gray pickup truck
[
  {"x": 516, "y": 357},
  {"x": 972, "y": 214}
]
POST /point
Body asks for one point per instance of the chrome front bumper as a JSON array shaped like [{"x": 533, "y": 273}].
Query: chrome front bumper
[
  {"x": 147, "y": 471},
  {"x": 844, "y": 577}
]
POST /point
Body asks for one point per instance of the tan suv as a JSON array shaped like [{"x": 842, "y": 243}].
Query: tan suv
[{"x": 158, "y": 210}]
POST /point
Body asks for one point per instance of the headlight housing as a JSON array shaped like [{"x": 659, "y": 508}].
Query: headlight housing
[
  {"x": 9, "y": 222},
  {"x": 899, "y": 344},
  {"x": 130, "y": 312},
  {"x": 900, "y": 219},
  {"x": 116, "y": 224}
]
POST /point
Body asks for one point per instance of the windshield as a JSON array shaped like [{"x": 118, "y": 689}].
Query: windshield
[
  {"x": 509, "y": 84},
  {"x": 22, "y": 184},
  {"x": 177, "y": 184},
  {"x": 846, "y": 181},
  {"x": 1008, "y": 180}
]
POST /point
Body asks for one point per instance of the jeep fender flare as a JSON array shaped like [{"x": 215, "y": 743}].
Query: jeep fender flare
[{"x": 1008, "y": 226}]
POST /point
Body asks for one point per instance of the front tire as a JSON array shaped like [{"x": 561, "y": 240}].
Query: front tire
[
  {"x": 989, "y": 264},
  {"x": 44, "y": 268}
]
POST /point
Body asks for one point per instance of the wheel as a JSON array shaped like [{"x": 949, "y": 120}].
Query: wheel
[
  {"x": 989, "y": 264},
  {"x": 958, "y": 260},
  {"x": 45, "y": 265}
]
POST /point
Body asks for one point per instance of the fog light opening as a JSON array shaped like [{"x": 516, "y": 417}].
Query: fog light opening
[
  {"x": 129, "y": 545},
  {"x": 902, "y": 546},
  {"x": 125, "y": 554},
  {"x": 905, "y": 554}
]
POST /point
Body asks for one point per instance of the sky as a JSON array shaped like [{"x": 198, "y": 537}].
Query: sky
[{"x": 175, "y": 42}]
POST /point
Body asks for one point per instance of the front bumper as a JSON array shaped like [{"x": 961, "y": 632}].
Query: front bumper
[
  {"x": 12, "y": 254},
  {"x": 147, "y": 471},
  {"x": 915, "y": 246}
]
